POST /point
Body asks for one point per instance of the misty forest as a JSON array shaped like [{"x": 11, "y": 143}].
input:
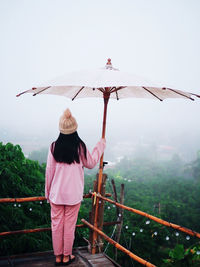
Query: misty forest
[{"x": 166, "y": 188}]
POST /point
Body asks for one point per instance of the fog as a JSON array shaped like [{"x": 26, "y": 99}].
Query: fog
[{"x": 158, "y": 40}]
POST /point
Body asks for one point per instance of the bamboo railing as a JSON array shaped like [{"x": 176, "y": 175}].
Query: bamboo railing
[
  {"x": 40, "y": 198},
  {"x": 175, "y": 226},
  {"x": 27, "y": 231},
  {"x": 23, "y": 199}
]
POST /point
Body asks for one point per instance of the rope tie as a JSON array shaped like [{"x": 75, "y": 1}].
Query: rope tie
[{"x": 95, "y": 198}]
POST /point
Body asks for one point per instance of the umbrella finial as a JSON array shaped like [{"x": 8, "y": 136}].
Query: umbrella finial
[
  {"x": 109, "y": 61},
  {"x": 109, "y": 64}
]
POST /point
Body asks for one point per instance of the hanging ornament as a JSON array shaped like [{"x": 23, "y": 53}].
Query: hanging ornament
[
  {"x": 147, "y": 222},
  {"x": 177, "y": 234},
  {"x": 108, "y": 207},
  {"x": 187, "y": 237},
  {"x": 40, "y": 202},
  {"x": 15, "y": 205},
  {"x": 30, "y": 209},
  {"x": 155, "y": 233},
  {"x": 120, "y": 215},
  {"x": 19, "y": 205},
  {"x": 141, "y": 230},
  {"x": 126, "y": 227},
  {"x": 113, "y": 206},
  {"x": 133, "y": 234},
  {"x": 167, "y": 238},
  {"x": 198, "y": 252}
]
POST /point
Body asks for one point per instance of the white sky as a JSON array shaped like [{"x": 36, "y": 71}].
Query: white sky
[{"x": 159, "y": 40}]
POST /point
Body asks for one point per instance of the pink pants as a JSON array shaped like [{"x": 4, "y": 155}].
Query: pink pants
[{"x": 63, "y": 223}]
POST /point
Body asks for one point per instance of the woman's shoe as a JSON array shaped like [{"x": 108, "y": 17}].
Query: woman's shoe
[
  {"x": 69, "y": 261},
  {"x": 58, "y": 263}
]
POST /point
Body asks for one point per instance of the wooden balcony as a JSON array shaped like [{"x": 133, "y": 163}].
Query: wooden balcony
[{"x": 47, "y": 259}]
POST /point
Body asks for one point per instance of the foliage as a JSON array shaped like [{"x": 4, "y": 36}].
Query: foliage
[
  {"x": 167, "y": 189},
  {"x": 158, "y": 188},
  {"x": 21, "y": 177},
  {"x": 183, "y": 257}
]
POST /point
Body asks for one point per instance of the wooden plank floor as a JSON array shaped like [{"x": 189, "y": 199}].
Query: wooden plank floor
[{"x": 47, "y": 259}]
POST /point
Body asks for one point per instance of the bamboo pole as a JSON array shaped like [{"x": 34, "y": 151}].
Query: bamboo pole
[
  {"x": 25, "y": 199},
  {"x": 92, "y": 215},
  {"x": 115, "y": 195},
  {"x": 100, "y": 219},
  {"x": 119, "y": 218},
  {"x": 27, "y": 231},
  {"x": 29, "y": 199},
  {"x": 106, "y": 96},
  {"x": 175, "y": 226},
  {"x": 119, "y": 226},
  {"x": 118, "y": 246}
]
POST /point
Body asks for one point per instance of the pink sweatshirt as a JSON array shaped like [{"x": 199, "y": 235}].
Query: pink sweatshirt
[{"x": 64, "y": 183}]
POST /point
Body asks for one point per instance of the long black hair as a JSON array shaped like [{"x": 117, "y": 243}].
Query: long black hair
[{"x": 67, "y": 148}]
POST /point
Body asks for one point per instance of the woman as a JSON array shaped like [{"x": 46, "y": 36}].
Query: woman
[{"x": 64, "y": 184}]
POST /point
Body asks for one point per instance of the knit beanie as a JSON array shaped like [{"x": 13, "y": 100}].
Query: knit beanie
[{"x": 67, "y": 123}]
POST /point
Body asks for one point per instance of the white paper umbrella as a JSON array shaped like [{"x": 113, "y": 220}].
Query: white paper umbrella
[
  {"x": 93, "y": 83},
  {"x": 106, "y": 83}
]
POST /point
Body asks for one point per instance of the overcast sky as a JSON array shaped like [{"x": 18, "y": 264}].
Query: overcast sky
[{"x": 159, "y": 40}]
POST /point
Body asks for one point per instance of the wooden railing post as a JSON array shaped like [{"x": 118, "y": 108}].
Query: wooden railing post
[
  {"x": 91, "y": 217},
  {"x": 101, "y": 214},
  {"x": 97, "y": 245},
  {"x": 120, "y": 215}
]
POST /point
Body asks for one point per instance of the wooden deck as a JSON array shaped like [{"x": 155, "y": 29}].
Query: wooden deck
[{"x": 47, "y": 259}]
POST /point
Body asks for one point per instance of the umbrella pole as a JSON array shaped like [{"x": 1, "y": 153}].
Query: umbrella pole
[
  {"x": 106, "y": 99},
  {"x": 94, "y": 236}
]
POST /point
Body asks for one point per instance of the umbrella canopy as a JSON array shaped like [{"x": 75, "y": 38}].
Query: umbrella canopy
[{"x": 92, "y": 83}]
